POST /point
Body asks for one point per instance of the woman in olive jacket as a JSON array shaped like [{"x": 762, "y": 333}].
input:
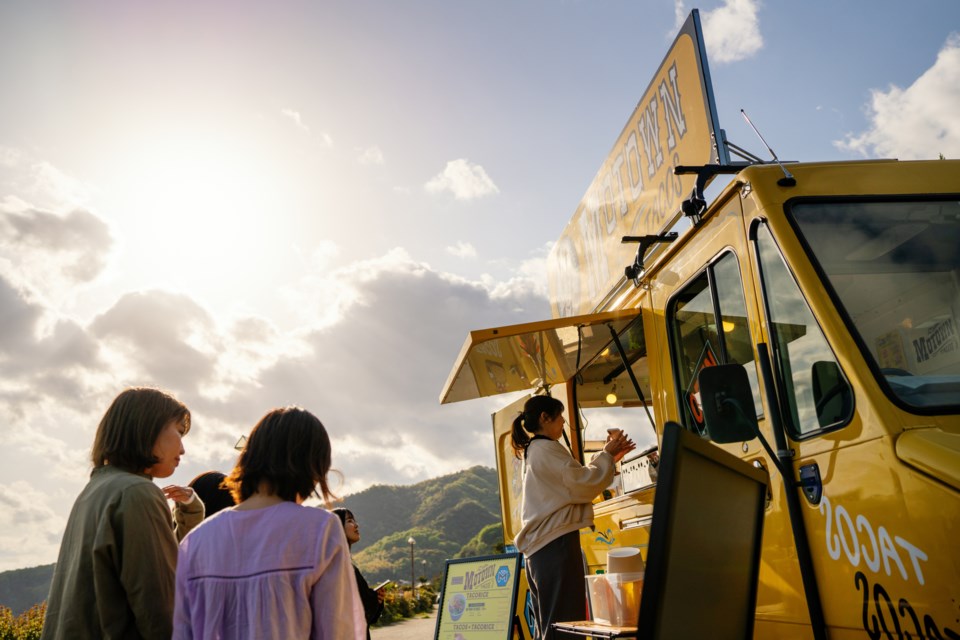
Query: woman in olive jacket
[{"x": 114, "y": 576}]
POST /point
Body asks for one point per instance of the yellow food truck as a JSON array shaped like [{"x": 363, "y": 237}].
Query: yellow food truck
[{"x": 830, "y": 292}]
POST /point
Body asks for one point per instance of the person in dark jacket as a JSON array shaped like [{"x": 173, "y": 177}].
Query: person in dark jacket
[
  {"x": 210, "y": 489},
  {"x": 372, "y": 600},
  {"x": 204, "y": 496}
]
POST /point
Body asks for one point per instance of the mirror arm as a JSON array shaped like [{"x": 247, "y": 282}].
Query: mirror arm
[
  {"x": 775, "y": 460},
  {"x": 735, "y": 406},
  {"x": 802, "y": 544}
]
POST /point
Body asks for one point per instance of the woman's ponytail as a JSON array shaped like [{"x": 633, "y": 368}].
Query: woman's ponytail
[
  {"x": 519, "y": 439},
  {"x": 529, "y": 421}
]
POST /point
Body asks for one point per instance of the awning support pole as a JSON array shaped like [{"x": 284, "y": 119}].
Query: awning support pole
[{"x": 633, "y": 378}]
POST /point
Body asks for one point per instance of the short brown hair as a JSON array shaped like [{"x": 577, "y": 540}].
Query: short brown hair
[
  {"x": 289, "y": 448},
  {"x": 131, "y": 426}
]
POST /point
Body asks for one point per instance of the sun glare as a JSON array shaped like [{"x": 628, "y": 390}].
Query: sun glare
[{"x": 197, "y": 214}]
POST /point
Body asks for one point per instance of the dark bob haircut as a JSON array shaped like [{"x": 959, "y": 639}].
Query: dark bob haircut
[
  {"x": 290, "y": 450},
  {"x": 131, "y": 426},
  {"x": 209, "y": 488},
  {"x": 343, "y": 513}
]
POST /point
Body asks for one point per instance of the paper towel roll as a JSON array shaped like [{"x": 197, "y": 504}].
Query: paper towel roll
[{"x": 624, "y": 560}]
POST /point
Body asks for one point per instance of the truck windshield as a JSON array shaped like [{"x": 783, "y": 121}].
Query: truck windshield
[{"x": 895, "y": 270}]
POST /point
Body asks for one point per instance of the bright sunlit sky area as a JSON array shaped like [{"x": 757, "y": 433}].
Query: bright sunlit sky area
[{"x": 255, "y": 204}]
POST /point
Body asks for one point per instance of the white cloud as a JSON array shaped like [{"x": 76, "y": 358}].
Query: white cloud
[
  {"x": 13, "y": 204},
  {"x": 398, "y": 328},
  {"x": 370, "y": 155},
  {"x": 49, "y": 243},
  {"x": 295, "y": 117},
  {"x": 315, "y": 299},
  {"x": 531, "y": 278},
  {"x": 18, "y": 322},
  {"x": 65, "y": 190},
  {"x": 463, "y": 250},
  {"x": 162, "y": 337},
  {"x": 31, "y": 526},
  {"x": 9, "y": 157},
  {"x": 53, "y": 253},
  {"x": 679, "y": 15},
  {"x": 251, "y": 345},
  {"x": 535, "y": 269},
  {"x": 731, "y": 32},
  {"x": 65, "y": 459},
  {"x": 464, "y": 180},
  {"x": 363, "y": 363},
  {"x": 43, "y": 184},
  {"x": 349, "y": 370},
  {"x": 921, "y": 121}
]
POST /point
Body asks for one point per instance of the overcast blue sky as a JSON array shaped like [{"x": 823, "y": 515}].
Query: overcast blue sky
[{"x": 255, "y": 204}]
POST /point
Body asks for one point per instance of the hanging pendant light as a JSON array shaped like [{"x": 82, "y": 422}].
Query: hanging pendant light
[{"x": 612, "y": 396}]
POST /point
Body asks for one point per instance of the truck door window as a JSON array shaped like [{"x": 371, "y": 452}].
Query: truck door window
[
  {"x": 814, "y": 393},
  {"x": 893, "y": 269},
  {"x": 708, "y": 321}
]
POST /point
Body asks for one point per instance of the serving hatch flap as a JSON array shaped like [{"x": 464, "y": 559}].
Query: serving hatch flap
[{"x": 527, "y": 356}]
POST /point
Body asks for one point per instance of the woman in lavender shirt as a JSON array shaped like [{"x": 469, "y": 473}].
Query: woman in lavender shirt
[{"x": 271, "y": 567}]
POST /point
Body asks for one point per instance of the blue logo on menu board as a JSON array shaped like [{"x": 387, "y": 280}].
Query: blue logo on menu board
[{"x": 503, "y": 575}]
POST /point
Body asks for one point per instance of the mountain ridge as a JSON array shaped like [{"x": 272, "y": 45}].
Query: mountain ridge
[{"x": 445, "y": 515}]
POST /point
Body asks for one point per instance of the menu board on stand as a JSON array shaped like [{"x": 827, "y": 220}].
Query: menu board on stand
[{"x": 479, "y": 598}]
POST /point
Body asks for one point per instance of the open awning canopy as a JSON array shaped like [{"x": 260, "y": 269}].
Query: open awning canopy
[{"x": 530, "y": 355}]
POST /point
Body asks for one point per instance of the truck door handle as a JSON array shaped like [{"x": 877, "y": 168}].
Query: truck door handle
[{"x": 810, "y": 483}]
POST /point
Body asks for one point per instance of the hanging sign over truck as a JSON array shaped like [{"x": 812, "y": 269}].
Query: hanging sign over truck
[{"x": 636, "y": 192}]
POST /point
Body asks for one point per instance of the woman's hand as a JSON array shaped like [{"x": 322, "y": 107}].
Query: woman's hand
[
  {"x": 618, "y": 444},
  {"x": 177, "y": 493}
]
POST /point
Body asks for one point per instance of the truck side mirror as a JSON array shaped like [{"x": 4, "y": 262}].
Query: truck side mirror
[{"x": 727, "y": 403}]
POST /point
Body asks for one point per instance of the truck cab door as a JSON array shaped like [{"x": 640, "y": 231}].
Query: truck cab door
[{"x": 713, "y": 316}]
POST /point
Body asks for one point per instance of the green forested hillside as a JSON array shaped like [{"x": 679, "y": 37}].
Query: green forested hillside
[
  {"x": 488, "y": 541},
  {"x": 442, "y": 515},
  {"x": 457, "y": 515},
  {"x": 20, "y": 589}
]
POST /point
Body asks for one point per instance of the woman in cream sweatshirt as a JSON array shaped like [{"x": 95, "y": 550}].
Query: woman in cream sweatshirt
[{"x": 558, "y": 493}]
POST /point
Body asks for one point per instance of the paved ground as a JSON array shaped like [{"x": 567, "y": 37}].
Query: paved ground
[{"x": 410, "y": 629}]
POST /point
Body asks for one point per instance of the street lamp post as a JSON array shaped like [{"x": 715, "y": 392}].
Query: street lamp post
[{"x": 412, "y": 542}]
